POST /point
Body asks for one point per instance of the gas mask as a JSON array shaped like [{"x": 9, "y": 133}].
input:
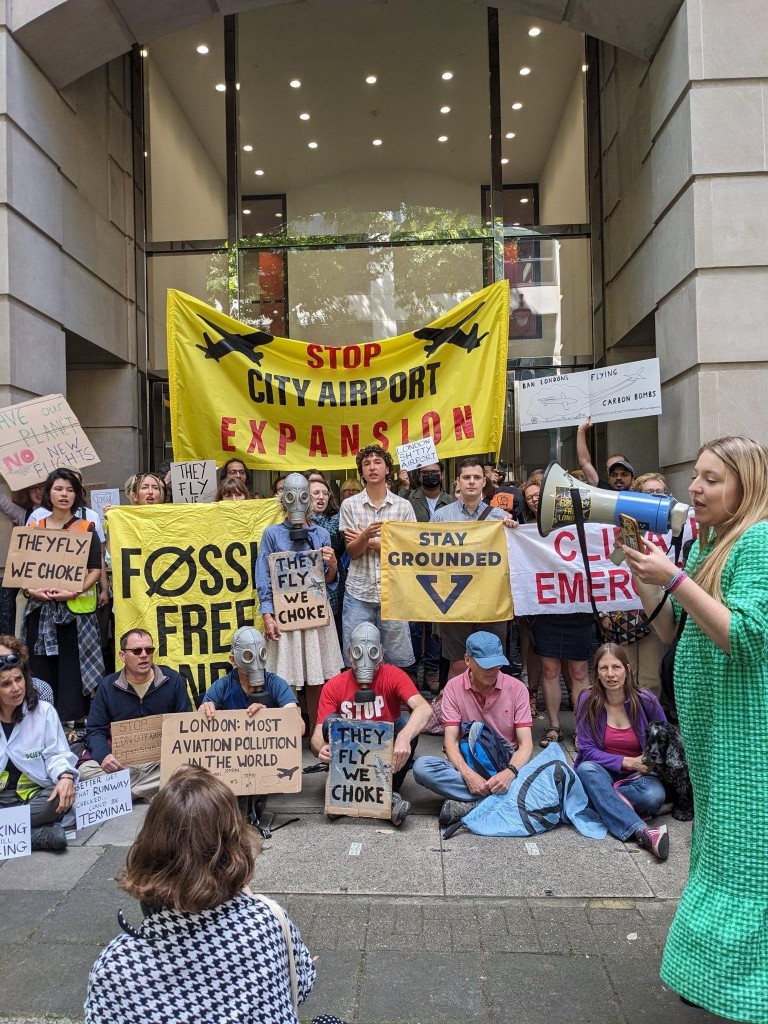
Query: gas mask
[
  {"x": 430, "y": 478},
  {"x": 365, "y": 656},
  {"x": 295, "y": 501},
  {"x": 250, "y": 655}
]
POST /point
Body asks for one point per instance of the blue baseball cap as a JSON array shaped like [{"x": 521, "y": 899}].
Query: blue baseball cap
[{"x": 486, "y": 650}]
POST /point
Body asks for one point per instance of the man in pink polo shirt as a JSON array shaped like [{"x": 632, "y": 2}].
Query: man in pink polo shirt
[{"x": 480, "y": 694}]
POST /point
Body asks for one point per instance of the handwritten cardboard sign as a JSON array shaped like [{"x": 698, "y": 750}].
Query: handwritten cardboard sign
[
  {"x": 39, "y": 436},
  {"x": 106, "y": 796},
  {"x": 103, "y": 497},
  {"x": 138, "y": 740},
  {"x": 15, "y": 832},
  {"x": 193, "y": 483},
  {"x": 47, "y": 559},
  {"x": 360, "y": 773},
  {"x": 417, "y": 454},
  {"x": 261, "y": 754},
  {"x": 298, "y": 589}
]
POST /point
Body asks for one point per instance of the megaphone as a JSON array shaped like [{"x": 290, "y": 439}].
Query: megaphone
[{"x": 658, "y": 513}]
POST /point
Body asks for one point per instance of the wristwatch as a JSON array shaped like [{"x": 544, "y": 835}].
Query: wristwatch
[{"x": 66, "y": 775}]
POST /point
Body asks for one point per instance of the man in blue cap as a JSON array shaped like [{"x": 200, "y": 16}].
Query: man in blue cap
[{"x": 482, "y": 693}]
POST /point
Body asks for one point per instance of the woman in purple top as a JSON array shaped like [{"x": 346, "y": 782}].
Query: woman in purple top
[{"x": 611, "y": 720}]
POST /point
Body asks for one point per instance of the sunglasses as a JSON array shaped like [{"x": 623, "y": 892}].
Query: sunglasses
[
  {"x": 139, "y": 650},
  {"x": 9, "y": 660}
]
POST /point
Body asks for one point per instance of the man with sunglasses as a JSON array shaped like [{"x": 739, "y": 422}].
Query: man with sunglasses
[{"x": 140, "y": 689}]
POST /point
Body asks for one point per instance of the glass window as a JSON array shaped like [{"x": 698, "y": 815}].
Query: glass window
[{"x": 185, "y": 135}]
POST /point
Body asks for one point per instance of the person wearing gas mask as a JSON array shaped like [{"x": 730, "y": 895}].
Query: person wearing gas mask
[
  {"x": 141, "y": 688},
  {"x": 248, "y": 686},
  {"x": 370, "y": 691},
  {"x": 305, "y": 657}
]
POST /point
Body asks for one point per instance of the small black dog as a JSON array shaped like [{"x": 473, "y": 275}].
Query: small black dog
[{"x": 665, "y": 753}]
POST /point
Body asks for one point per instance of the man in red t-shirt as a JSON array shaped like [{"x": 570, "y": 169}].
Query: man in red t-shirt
[
  {"x": 391, "y": 688},
  {"x": 481, "y": 694}
]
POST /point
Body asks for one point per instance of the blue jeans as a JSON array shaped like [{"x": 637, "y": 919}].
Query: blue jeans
[
  {"x": 439, "y": 775},
  {"x": 395, "y": 635},
  {"x": 645, "y": 795},
  {"x": 399, "y": 777},
  {"x": 431, "y": 646}
]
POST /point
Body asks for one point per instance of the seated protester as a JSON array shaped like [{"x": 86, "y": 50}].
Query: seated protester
[
  {"x": 392, "y": 687},
  {"x": 36, "y": 765},
  {"x": 12, "y": 653},
  {"x": 140, "y": 689},
  {"x": 612, "y": 718},
  {"x": 481, "y": 694},
  {"x": 248, "y": 686}
]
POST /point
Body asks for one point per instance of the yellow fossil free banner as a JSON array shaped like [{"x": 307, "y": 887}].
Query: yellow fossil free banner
[
  {"x": 279, "y": 403},
  {"x": 185, "y": 573},
  {"x": 445, "y": 572}
]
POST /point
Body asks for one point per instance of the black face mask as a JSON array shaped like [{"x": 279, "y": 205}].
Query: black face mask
[{"x": 430, "y": 480}]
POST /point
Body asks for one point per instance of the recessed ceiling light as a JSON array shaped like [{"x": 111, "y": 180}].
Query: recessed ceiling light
[
  {"x": 295, "y": 83},
  {"x": 442, "y": 138},
  {"x": 445, "y": 110},
  {"x": 237, "y": 86},
  {"x": 524, "y": 199},
  {"x": 247, "y": 149},
  {"x": 246, "y": 212},
  {"x": 534, "y": 30},
  {"x": 584, "y": 67},
  {"x": 221, "y": 87},
  {"x": 509, "y": 135},
  {"x": 278, "y": 215},
  {"x": 371, "y": 79},
  {"x": 377, "y": 142},
  {"x": 259, "y": 234},
  {"x": 144, "y": 53},
  {"x": 447, "y": 76},
  {"x": 312, "y": 145},
  {"x": 304, "y": 116},
  {"x": 516, "y": 224},
  {"x": 202, "y": 48},
  {"x": 525, "y": 71},
  {"x": 259, "y": 172},
  {"x": 517, "y": 106},
  {"x": 504, "y": 160},
  {"x": 146, "y": 153}
]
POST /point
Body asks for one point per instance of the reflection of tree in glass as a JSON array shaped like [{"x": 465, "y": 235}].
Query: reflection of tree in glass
[{"x": 413, "y": 279}]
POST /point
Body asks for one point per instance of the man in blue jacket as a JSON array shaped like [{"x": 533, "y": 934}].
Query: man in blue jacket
[{"x": 140, "y": 689}]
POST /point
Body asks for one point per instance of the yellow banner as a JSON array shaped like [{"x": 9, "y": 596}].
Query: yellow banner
[
  {"x": 278, "y": 403},
  {"x": 185, "y": 573},
  {"x": 445, "y": 572}
]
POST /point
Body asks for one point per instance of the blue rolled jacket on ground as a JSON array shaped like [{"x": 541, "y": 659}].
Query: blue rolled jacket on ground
[{"x": 117, "y": 701}]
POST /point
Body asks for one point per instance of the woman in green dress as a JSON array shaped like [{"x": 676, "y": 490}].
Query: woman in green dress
[{"x": 716, "y": 954}]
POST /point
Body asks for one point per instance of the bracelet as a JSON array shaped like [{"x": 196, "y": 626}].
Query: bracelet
[
  {"x": 67, "y": 775},
  {"x": 512, "y": 769},
  {"x": 675, "y": 582}
]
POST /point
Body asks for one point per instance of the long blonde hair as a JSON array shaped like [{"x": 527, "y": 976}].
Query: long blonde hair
[{"x": 748, "y": 461}]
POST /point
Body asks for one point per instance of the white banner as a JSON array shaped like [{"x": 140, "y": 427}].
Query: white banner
[
  {"x": 15, "y": 832},
  {"x": 106, "y": 796},
  {"x": 547, "y": 573},
  {"x": 619, "y": 392}
]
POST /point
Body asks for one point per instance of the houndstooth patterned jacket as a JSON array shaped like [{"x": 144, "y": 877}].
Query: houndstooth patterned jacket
[{"x": 228, "y": 965}]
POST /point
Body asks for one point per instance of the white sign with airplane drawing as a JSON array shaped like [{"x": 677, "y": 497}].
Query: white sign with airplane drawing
[{"x": 621, "y": 392}]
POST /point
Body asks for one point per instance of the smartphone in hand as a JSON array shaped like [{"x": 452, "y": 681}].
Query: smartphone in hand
[{"x": 631, "y": 535}]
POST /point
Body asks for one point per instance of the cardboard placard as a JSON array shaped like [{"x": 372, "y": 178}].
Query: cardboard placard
[
  {"x": 39, "y": 436},
  {"x": 47, "y": 559},
  {"x": 417, "y": 454},
  {"x": 15, "y": 832},
  {"x": 193, "y": 483},
  {"x": 260, "y": 754},
  {"x": 104, "y": 497},
  {"x": 138, "y": 740},
  {"x": 360, "y": 773},
  {"x": 102, "y": 798},
  {"x": 298, "y": 589}
]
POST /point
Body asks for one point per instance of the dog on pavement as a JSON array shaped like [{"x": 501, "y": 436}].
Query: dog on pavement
[{"x": 665, "y": 754}]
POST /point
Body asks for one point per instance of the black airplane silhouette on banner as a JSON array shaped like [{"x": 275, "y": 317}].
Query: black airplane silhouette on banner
[
  {"x": 245, "y": 344},
  {"x": 452, "y": 335}
]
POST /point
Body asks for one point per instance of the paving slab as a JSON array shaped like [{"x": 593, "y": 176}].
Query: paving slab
[
  {"x": 667, "y": 880},
  {"x": 23, "y": 911},
  {"x": 337, "y": 986},
  {"x": 313, "y": 856},
  {"x": 644, "y": 998},
  {"x": 541, "y": 989},
  {"x": 41, "y": 979},
  {"x": 45, "y": 870},
  {"x": 79, "y": 917},
  {"x": 102, "y": 873},
  {"x": 567, "y": 865},
  {"x": 432, "y": 988}
]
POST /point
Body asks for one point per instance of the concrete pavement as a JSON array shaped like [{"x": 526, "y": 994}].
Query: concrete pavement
[{"x": 407, "y": 928}]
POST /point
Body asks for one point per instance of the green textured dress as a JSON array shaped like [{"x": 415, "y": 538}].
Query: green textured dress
[{"x": 717, "y": 949}]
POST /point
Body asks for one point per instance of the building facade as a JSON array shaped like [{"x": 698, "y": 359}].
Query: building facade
[{"x": 612, "y": 166}]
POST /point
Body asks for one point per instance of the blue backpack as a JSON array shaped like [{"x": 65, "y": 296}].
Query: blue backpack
[{"x": 484, "y": 750}]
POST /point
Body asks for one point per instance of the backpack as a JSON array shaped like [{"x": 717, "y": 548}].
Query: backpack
[{"x": 483, "y": 749}]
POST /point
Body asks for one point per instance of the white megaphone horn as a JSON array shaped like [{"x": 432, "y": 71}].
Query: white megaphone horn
[{"x": 658, "y": 513}]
